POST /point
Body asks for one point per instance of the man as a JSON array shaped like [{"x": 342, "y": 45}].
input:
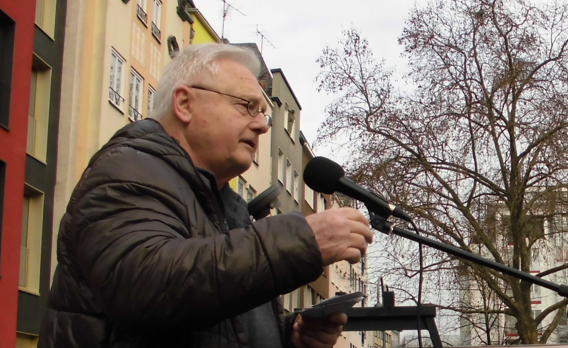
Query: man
[{"x": 155, "y": 249}]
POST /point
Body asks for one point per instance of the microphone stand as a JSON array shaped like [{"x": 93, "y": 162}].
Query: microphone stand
[{"x": 387, "y": 227}]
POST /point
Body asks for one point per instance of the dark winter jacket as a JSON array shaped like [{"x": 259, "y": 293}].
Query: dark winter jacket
[{"x": 145, "y": 259}]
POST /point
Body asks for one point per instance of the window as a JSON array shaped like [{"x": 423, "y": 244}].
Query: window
[
  {"x": 281, "y": 168},
  {"x": 141, "y": 11},
  {"x": 289, "y": 118},
  {"x": 256, "y": 159},
  {"x": 296, "y": 187},
  {"x": 536, "y": 313},
  {"x": 136, "y": 88},
  {"x": 157, "y": 20},
  {"x": 289, "y": 180},
  {"x": 251, "y": 193},
  {"x": 321, "y": 203},
  {"x": 30, "y": 254},
  {"x": 7, "y": 30},
  {"x": 116, "y": 79},
  {"x": 151, "y": 96},
  {"x": 535, "y": 292},
  {"x": 309, "y": 196},
  {"x": 241, "y": 186},
  {"x": 45, "y": 15},
  {"x": 38, "y": 114}
]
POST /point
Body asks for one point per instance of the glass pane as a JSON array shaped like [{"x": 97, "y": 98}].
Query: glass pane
[
  {"x": 25, "y": 218},
  {"x": 137, "y": 94},
  {"x": 150, "y": 101},
  {"x": 240, "y": 187},
  {"x": 24, "y": 243},
  {"x": 118, "y": 77},
  {"x": 156, "y": 13},
  {"x": 112, "y": 68},
  {"x": 31, "y": 114},
  {"x": 131, "y": 95}
]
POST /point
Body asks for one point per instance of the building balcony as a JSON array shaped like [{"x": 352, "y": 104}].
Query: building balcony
[
  {"x": 134, "y": 114},
  {"x": 142, "y": 15},
  {"x": 115, "y": 98}
]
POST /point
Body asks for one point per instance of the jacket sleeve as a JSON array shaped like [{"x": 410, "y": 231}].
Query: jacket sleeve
[{"x": 149, "y": 277}]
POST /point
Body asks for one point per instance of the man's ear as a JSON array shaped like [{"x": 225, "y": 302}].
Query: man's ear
[{"x": 182, "y": 103}]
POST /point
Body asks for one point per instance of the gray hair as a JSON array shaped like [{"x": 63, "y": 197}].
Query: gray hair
[{"x": 197, "y": 64}]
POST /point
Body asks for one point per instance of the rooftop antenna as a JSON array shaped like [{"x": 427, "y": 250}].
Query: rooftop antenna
[
  {"x": 226, "y": 7},
  {"x": 262, "y": 38}
]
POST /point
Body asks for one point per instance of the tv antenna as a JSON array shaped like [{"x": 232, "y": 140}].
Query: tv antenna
[
  {"x": 262, "y": 38},
  {"x": 226, "y": 7}
]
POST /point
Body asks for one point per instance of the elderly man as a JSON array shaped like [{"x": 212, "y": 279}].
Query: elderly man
[{"x": 156, "y": 250}]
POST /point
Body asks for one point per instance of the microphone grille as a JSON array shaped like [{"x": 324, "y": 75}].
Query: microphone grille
[{"x": 323, "y": 175}]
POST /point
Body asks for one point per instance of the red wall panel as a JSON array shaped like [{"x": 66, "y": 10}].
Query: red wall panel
[{"x": 13, "y": 153}]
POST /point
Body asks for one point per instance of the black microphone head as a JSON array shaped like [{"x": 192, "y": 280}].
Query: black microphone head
[{"x": 323, "y": 175}]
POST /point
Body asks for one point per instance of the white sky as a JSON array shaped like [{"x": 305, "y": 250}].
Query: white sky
[{"x": 300, "y": 30}]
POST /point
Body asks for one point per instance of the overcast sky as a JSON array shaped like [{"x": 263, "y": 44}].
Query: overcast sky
[{"x": 300, "y": 30}]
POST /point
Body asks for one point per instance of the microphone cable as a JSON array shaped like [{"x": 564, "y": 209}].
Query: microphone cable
[{"x": 420, "y": 281}]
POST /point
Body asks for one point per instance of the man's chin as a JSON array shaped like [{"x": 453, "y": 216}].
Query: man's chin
[{"x": 242, "y": 164}]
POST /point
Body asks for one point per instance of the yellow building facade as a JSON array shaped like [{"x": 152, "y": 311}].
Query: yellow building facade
[{"x": 115, "y": 51}]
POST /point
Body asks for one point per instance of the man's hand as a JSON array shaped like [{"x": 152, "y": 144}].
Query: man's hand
[
  {"x": 341, "y": 234},
  {"x": 318, "y": 333}
]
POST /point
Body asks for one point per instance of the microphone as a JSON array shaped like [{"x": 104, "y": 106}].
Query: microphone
[{"x": 325, "y": 176}]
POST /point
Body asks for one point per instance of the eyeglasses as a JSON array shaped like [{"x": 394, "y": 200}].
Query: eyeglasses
[{"x": 252, "y": 106}]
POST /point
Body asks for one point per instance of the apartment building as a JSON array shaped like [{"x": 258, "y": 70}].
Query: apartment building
[
  {"x": 259, "y": 177},
  {"x": 30, "y": 85},
  {"x": 548, "y": 227},
  {"x": 15, "y": 75}
]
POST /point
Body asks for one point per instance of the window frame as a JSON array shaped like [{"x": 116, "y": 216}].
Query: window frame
[
  {"x": 46, "y": 9},
  {"x": 157, "y": 19},
  {"x": 142, "y": 11},
  {"x": 39, "y": 110},
  {"x": 281, "y": 167},
  {"x": 151, "y": 96},
  {"x": 309, "y": 196},
  {"x": 7, "y": 37},
  {"x": 135, "y": 111},
  {"x": 116, "y": 92},
  {"x": 290, "y": 181},
  {"x": 296, "y": 187},
  {"x": 35, "y": 220},
  {"x": 241, "y": 186}
]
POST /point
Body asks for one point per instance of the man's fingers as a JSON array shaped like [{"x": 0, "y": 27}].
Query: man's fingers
[
  {"x": 357, "y": 241},
  {"x": 356, "y": 215},
  {"x": 338, "y": 319},
  {"x": 358, "y": 228},
  {"x": 351, "y": 255},
  {"x": 325, "y": 325}
]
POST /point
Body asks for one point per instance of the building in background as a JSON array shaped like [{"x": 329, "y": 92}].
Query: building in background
[
  {"x": 548, "y": 224},
  {"x": 286, "y": 148},
  {"x": 259, "y": 177},
  {"x": 16, "y": 47},
  {"x": 30, "y": 88}
]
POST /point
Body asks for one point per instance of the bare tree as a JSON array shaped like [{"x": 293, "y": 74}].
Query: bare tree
[{"x": 478, "y": 151}]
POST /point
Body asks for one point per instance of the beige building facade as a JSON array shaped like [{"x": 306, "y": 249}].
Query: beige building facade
[{"x": 114, "y": 55}]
